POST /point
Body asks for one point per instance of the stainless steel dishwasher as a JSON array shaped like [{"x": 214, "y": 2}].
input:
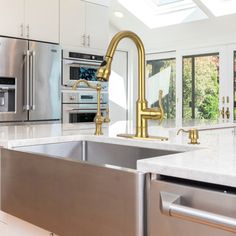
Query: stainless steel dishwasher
[
  {"x": 77, "y": 188},
  {"x": 186, "y": 208}
]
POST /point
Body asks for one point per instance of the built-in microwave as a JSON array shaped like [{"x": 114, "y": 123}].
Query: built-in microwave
[{"x": 78, "y": 66}]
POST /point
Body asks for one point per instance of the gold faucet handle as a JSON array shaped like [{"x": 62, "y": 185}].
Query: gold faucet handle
[
  {"x": 107, "y": 117},
  {"x": 160, "y": 97}
]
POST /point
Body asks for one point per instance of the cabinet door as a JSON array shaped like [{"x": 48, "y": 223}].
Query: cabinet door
[
  {"x": 12, "y": 18},
  {"x": 96, "y": 26},
  {"x": 72, "y": 24},
  {"x": 42, "y": 20}
]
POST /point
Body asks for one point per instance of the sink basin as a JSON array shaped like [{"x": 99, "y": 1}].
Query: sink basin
[
  {"x": 97, "y": 153},
  {"x": 78, "y": 188}
]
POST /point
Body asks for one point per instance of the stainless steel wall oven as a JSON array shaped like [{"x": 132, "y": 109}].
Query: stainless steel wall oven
[{"x": 81, "y": 106}]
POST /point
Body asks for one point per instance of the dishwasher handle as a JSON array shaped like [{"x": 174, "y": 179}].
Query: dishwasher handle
[{"x": 170, "y": 205}]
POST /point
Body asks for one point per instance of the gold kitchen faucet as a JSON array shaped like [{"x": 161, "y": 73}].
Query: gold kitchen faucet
[
  {"x": 143, "y": 113},
  {"x": 98, "y": 118}
]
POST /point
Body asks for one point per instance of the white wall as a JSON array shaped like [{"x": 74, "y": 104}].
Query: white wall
[
  {"x": 211, "y": 32},
  {"x": 118, "y": 87}
]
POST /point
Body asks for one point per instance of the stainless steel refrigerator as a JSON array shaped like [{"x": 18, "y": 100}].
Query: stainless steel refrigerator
[{"x": 30, "y": 81}]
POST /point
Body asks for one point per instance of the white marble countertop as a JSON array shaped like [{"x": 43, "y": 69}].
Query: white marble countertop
[{"x": 213, "y": 161}]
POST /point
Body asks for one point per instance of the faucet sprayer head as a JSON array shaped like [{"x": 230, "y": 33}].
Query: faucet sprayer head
[{"x": 104, "y": 71}]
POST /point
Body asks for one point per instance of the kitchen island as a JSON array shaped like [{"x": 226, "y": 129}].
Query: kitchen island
[{"x": 212, "y": 161}]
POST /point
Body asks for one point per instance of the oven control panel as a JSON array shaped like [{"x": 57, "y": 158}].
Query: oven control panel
[{"x": 84, "y": 97}]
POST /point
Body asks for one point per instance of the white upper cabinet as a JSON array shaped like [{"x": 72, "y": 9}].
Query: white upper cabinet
[
  {"x": 31, "y": 19},
  {"x": 83, "y": 25},
  {"x": 12, "y": 18},
  {"x": 96, "y": 26},
  {"x": 72, "y": 23},
  {"x": 42, "y": 20}
]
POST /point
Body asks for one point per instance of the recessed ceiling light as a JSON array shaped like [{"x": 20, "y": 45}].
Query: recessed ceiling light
[{"x": 118, "y": 14}]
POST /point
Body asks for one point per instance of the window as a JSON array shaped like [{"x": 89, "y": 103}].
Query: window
[
  {"x": 201, "y": 86},
  {"x": 161, "y": 75}
]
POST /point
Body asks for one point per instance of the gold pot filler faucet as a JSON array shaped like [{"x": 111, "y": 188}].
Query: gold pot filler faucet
[
  {"x": 99, "y": 119},
  {"x": 143, "y": 113}
]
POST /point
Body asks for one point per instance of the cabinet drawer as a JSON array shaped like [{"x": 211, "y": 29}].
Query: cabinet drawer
[{"x": 179, "y": 209}]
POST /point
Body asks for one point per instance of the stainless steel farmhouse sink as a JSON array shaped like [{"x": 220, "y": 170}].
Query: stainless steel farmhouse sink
[{"x": 77, "y": 188}]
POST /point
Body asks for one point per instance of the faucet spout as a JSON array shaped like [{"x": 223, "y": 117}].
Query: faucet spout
[
  {"x": 143, "y": 113},
  {"x": 105, "y": 70}
]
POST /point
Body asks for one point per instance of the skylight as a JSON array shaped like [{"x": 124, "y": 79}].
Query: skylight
[
  {"x": 158, "y": 13},
  {"x": 165, "y": 2},
  {"x": 220, "y": 7}
]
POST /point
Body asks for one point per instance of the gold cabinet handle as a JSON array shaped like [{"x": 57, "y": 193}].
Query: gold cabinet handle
[
  {"x": 227, "y": 113},
  {"x": 222, "y": 112},
  {"x": 227, "y": 99}
]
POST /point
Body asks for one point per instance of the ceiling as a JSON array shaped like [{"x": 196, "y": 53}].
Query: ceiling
[
  {"x": 160, "y": 13},
  {"x": 214, "y": 21}
]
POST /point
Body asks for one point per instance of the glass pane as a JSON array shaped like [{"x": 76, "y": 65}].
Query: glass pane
[
  {"x": 201, "y": 87},
  {"x": 207, "y": 87},
  {"x": 161, "y": 75},
  {"x": 187, "y": 87}
]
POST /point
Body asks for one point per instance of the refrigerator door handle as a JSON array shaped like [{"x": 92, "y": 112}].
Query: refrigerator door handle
[
  {"x": 32, "y": 80},
  {"x": 27, "y": 81}
]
